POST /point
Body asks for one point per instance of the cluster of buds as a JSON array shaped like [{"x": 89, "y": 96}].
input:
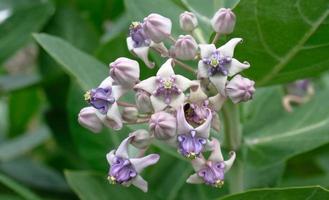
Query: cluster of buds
[{"x": 175, "y": 110}]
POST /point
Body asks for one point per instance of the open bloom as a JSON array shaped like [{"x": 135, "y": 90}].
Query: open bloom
[
  {"x": 103, "y": 102},
  {"x": 125, "y": 170},
  {"x": 166, "y": 88},
  {"x": 192, "y": 141},
  {"x": 211, "y": 171},
  {"x": 139, "y": 43},
  {"x": 218, "y": 64}
]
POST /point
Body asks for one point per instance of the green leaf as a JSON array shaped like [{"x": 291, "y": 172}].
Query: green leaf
[
  {"x": 88, "y": 71},
  {"x": 13, "y": 33},
  {"x": 283, "y": 40},
  {"x": 9, "y": 83},
  {"x": 294, "y": 193},
  {"x": 88, "y": 186},
  {"x": 303, "y": 130},
  {"x": 22, "y": 144},
  {"x": 22, "y": 191}
]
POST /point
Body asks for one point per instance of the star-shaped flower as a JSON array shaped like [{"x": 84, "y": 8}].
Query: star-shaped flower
[
  {"x": 218, "y": 64},
  {"x": 139, "y": 43},
  {"x": 166, "y": 88},
  {"x": 103, "y": 101},
  {"x": 211, "y": 171},
  {"x": 125, "y": 170}
]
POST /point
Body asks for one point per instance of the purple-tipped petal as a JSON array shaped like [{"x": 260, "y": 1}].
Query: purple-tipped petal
[
  {"x": 166, "y": 69},
  {"x": 141, "y": 163},
  {"x": 206, "y": 50},
  {"x": 122, "y": 150},
  {"x": 216, "y": 154},
  {"x": 198, "y": 163},
  {"x": 140, "y": 183},
  {"x": 194, "y": 179}
]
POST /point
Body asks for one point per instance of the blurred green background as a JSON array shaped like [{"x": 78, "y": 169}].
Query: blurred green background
[{"x": 46, "y": 154}]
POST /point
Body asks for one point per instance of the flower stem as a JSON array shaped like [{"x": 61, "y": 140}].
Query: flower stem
[
  {"x": 185, "y": 66},
  {"x": 232, "y": 140},
  {"x": 216, "y": 38}
]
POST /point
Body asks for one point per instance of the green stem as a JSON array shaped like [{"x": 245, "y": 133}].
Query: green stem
[{"x": 232, "y": 141}]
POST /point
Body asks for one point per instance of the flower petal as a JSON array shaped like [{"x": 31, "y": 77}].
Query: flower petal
[
  {"x": 89, "y": 119},
  {"x": 219, "y": 82},
  {"x": 122, "y": 150},
  {"x": 216, "y": 154},
  {"x": 118, "y": 91},
  {"x": 110, "y": 156},
  {"x": 197, "y": 95},
  {"x": 141, "y": 163},
  {"x": 202, "y": 70},
  {"x": 114, "y": 117},
  {"x": 142, "y": 53},
  {"x": 206, "y": 50},
  {"x": 182, "y": 126},
  {"x": 230, "y": 161},
  {"x": 166, "y": 69},
  {"x": 160, "y": 47},
  {"x": 177, "y": 100},
  {"x": 236, "y": 66},
  {"x": 157, "y": 103},
  {"x": 184, "y": 83},
  {"x": 130, "y": 43},
  {"x": 217, "y": 101},
  {"x": 140, "y": 183},
  {"x": 198, "y": 163},
  {"x": 228, "y": 48},
  {"x": 106, "y": 83},
  {"x": 194, "y": 179},
  {"x": 204, "y": 129},
  {"x": 148, "y": 85}
]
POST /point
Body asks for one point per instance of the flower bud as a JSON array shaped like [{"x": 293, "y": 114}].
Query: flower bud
[
  {"x": 130, "y": 114},
  {"x": 88, "y": 119},
  {"x": 240, "y": 89},
  {"x": 188, "y": 21},
  {"x": 163, "y": 125},
  {"x": 157, "y": 27},
  {"x": 186, "y": 47},
  {"x": 142, "y": 138},
  {"x": 125, "y": 71},
  {"x": 143, "y": 102},
  {"x": 223, "y": 21}
]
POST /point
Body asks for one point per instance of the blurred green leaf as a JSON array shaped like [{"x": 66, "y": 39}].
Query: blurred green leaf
[
  {"x": 294, "y": 193},
  {"x": 88, "y": 71},
  {"x": 21, "y": 144},
  {"x": 35, "y": 174},
  {"x": 116, "y": 27},
  {"x": 17, "y": 188},
  {"x": 283, "y": 40},
  {"x": 303, "y": 130},
  {"x": 19, "y": 19},
  {"x": 10, "y": 83},
  {"x": 88, "y": 186}
]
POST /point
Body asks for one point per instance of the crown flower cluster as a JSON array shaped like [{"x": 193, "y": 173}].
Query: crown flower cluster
[{"x": 174, "y": 109}]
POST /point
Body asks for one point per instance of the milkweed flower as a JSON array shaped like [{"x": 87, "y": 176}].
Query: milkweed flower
[
  {"x": 166, "y": 88},
  {"x": 218, "y": 64},
  {"x": 157, "y": 27},
  {"x": 211, "y": 171},
  {"x": 223, "y": 21},
  {"x": 125, "y": 170},
  {"x": 240, "y": 89},
  {"x": 188, "y": 21},
  {"x": 125, "y": 71}
]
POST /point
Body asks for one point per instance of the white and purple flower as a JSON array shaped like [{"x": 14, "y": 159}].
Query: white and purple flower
[
  {"x": 125, "y": 170},
  {"x": 211, "y": 171},
  {"x": 218, "y": 64}
]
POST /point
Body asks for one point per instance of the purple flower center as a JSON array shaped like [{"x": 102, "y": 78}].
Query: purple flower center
[
  {"x": 213, "y": 173},
  {"x": 217, "y": 63},
  {"x": 121, "y": 171},
  {"x": 196, "y": 114},
  {"x": 100, "y": 98},
  {"x": 167, "y": 88},
  {"x": 137, "y": 34},
  {"x": 190, "y": 145}
]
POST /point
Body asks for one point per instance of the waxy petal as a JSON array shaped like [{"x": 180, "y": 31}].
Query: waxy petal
[
  {"x": 219, "y": 82},
  {"x": 114, "y": 116},
  {"x": 194, "y": 179},
  {"x": 118, "y": 91},
  {"x": 197, "y": 95},
  {"x": 140, "y": 183},
  {"x": 160, "y": 47},
  {"x": 148, "y": 85},
  {"x": 122, "y": 150},
  {"x": 202, "y": 70},
  {"x": 166, "y": 69},
  {"x": 228, "y": 48},
  {"x": 217, "y": 101},
  {"x": 206, "y": 50},
  {"x": 141, "y": 163},
  {"x": 184, "y": 83},
  {"x": 236, "y": 66},
  {"x": 110, "y": 156},
  {"x": 183, "y": 127},
  {"x": 177, "y": 101},
  {"x": 204, "y": 129},
  {"x": 89, "y": 119},
  {"x": 142, "y": 53},
  {"x": 198, "y": 163},
  {"x": 230, "y": 161},
  {"x": 106, "y": 83},
  {"x": 157, "y": 103},
  {"x": 216, "y": 154}
]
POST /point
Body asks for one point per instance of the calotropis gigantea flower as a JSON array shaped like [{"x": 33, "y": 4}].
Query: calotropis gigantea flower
[
  {"x": 188, "y": 21},
  {"x": 198, "y": 104},
  {"x": 125, "y": 71},
  {"x": 211, "y": 171},
  {"x": 139, "y": 43},
  {"x": 157, "y": 27},
  {"x": 166, "y": 88},
  {"x": 218, "y": 64},
  {"x": 240, "y": 89},
  {"x": 223, "y": 21},
  {"x": 125, "y": 170},
  {"x": 104, "y": 101},
  {"x": 192, "y": 141}
]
